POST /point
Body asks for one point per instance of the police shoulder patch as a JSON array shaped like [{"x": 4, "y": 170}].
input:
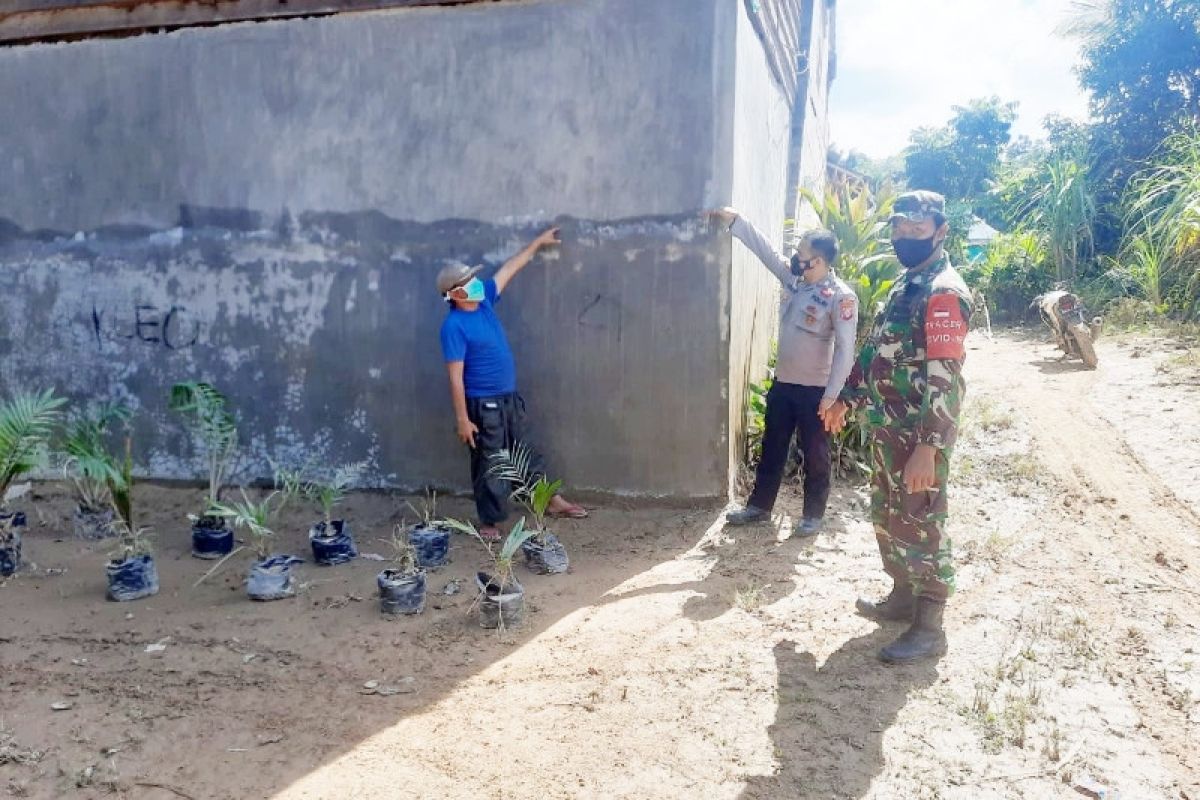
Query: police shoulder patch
[
  {"x": 945, "y": 328},
  {"x": 847, "y": 307}
]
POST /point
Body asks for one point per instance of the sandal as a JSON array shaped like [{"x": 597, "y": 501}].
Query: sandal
[
  {"x": 489, "y": 533},
  {"x": 572, "y": 511}
]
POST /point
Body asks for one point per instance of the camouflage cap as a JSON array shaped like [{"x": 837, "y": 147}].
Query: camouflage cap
[
  {"x": 918, "y": 206},
  {"x": 454, "y": 275}
]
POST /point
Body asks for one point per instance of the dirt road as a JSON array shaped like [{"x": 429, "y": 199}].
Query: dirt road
[{"x": 678, "y": 659}]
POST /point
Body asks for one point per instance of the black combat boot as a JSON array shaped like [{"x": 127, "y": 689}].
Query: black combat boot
[
  {"x": 897, "y": 606},
  {"x": 924, "y": 638},
  {"x": 747, "y": 516}
]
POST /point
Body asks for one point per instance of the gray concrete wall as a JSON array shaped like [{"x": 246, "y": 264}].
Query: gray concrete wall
[
  {"x": 327, "y": 342},
  {"x": 397, "y": 141},
  {"x": 814, "y": 142},
  {"x": 492, "y": 112}
]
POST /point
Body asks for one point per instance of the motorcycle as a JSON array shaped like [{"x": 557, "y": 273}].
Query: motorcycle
[{"x": 1064, "y": 313}]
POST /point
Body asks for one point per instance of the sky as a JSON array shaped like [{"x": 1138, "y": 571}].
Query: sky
[{"x": 903, "y": 64}]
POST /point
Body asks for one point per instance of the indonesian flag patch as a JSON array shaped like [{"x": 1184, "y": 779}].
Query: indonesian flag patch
[{"x": 945, "y": 328}]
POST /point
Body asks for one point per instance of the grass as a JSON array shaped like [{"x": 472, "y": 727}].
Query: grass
[
  {"x": 1009, "y": 707},
  {"x": 985, "y": 414},
  {"x": 1025, "y": 466},
  {"x": 749, "y": 597},
  {"x": 1185, "y": 359}
]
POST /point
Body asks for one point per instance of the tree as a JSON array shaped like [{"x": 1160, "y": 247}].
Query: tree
[
  {"x": 961, "y": 158},
  {"x": 1141, "y": 65}
]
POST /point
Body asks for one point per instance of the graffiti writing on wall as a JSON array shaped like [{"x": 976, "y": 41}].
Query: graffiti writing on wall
[{"x": 170, "y": 328}]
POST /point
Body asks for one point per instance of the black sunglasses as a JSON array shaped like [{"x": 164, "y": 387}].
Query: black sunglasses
[{"x": 801, "y": 265}]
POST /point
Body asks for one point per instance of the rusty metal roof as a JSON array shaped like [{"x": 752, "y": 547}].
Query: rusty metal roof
[{"x": 41, "y": 20}]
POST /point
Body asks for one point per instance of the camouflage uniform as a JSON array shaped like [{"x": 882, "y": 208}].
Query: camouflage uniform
[{"x": 908, "y": 379}]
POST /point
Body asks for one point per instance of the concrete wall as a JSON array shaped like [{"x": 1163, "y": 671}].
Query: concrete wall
[
  {"x": 813, "y": 139},
  {"x": 397, "y": 140},
  {"x": 265, "y": 206},
  {"x": 762, "y": 135}
]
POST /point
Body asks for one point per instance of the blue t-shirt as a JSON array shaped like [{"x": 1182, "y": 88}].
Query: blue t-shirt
[{"x": 477, "y": 339}]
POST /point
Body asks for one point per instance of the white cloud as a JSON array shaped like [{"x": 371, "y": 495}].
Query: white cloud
[{"x": 904, "y": 63}]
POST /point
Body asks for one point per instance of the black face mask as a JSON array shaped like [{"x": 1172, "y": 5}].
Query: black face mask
[
  {"x": 913, "y": 252},
  {"x": 799, "y": 265}
]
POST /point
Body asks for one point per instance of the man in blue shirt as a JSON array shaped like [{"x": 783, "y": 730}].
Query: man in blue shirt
[{"x": 483, "y": 382}]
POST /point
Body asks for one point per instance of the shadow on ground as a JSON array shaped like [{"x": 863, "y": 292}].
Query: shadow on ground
[{"x": 822, "y": 750}]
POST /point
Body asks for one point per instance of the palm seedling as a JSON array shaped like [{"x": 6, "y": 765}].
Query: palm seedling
[
  {"x": 501, "y": 578},
  {"x": 256, "y": 517},
  {"x": 213, "y": 426},
  {"x": 427, "y": 513},
  {"x": 402, "y": 586},
  {"x": 530, "y": 490},
  {"x": 91, "y": 468},
  {"x": 329, "y": 493},
  {"x": 404, "y": 555},
  {"x": 26, "y": 422}
]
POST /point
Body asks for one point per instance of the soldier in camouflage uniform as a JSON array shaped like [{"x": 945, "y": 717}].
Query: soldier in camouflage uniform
[{"x": 908, "y": 380}]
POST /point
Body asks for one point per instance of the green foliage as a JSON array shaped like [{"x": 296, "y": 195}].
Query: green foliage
[
  {"x": 330, "y": 492},
  {"x": 131, "y": 540},
  {"x": 257, "y": 517},
  {"x": 1140, "y": 62},
  {"x": 27, "y": 421},
  {"x": 120, "y": 488},
  {"x": 865, "y": 261},
  {"x": 1065, "y": 209},
  {"x": 531, "y": 490},
  {"x": 1015, "y": 269},
  {"x": 1161, "y": 249},
  {"x": 502, "y": 561},
  {"x": 756, "y": 407},
  {"x": 213, "y": 425},
  {"x": 88, "y": 463},
  {"x": 961, "y": 158}
]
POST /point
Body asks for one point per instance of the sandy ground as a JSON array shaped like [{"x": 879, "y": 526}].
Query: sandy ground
[{"x": 678, "y": 659}]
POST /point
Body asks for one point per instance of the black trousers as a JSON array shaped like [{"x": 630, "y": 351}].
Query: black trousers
[
  {"x": 501, "y": 423},
  {"x": 792, "y": 408}
]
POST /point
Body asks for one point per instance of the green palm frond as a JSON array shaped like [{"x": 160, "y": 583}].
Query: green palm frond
[
  {"x": 213, "y": 425},
  {"x": 512, "y": 543},
  {"x": 26, "y": 423},
  {"x": 530, "y": 490},
  {"x": 328, "y": 493},
  {"x": 120, "y": 487},
  {"x": 89, "y": 464},
  {"x": 502, "y": 562},
  {"x": 256, "y": 517}
]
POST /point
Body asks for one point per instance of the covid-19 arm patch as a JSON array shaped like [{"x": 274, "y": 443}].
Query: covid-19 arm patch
[{"x": 945, "y": 328}]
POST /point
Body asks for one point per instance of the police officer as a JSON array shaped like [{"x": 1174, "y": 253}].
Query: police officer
[
  {"x": 908, "y": 380},
  {"x": 816, "y": 351}
]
